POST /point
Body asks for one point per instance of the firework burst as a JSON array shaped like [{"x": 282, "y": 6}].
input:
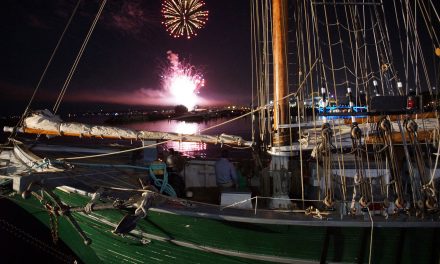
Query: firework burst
[
  {"x": 184, "y": 17},
  {"x": 182, "y": 81}
]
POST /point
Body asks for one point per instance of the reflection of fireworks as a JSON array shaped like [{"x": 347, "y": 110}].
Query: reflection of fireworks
[
  {"x": 186, "y": 128},
  {"x": 182, "y": 81},
  {"x": 184, "y": 17},
  {"x": 189, "y": 148}
]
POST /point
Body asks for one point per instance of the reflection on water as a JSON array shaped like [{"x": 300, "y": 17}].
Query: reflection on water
[
  {"x": 241, "y": 127},
  {"x": 189, "y": 148},
  {"x": 187, "y": 128}
]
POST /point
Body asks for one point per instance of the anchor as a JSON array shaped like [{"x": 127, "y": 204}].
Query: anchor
[{"x": 129, "y": 221}]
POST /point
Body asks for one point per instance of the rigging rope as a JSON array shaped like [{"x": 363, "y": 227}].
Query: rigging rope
[
  {"x": 78, "y": 57},
  {"x": 339, "y": 24},
  {"x": 434, "y": 9},
  {"x": 13, "y": 134},
  {"x": 429, "y": 23}
]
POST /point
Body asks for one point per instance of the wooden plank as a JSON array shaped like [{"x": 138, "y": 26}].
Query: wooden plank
[
  {"x": 422, "y": 136},
  {"x": 375, "y": 119}
]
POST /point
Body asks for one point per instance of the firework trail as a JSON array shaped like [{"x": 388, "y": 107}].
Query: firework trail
[
  {"x": 184, "y": 17},
  {"x": 173, "y": 58}
]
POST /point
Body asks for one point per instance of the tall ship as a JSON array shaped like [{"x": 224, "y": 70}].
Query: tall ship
[{"x": 341, "y": 166}]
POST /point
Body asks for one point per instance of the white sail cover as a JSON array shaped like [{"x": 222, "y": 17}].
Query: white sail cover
[{"x": 47, "y": 123}]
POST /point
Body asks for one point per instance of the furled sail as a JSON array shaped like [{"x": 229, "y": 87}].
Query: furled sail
[{"x": 44, "y": 122}]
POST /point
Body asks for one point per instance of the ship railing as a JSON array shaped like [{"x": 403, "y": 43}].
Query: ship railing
[
  {"x": 344, "y": 206},
  {"x": 238, "y": 203}
]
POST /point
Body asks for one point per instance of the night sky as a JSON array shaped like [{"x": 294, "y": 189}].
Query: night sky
[{"x": 122, "y": 64}]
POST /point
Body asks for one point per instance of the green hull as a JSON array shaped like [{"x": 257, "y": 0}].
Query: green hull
[
  {"x": 171, "y": 238},
  {"x": 109, "y": 248}
]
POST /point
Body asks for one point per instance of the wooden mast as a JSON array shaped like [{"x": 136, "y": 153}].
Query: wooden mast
[
  {"x": 279, "y": 42},
  {"x": 279, "y": 163}
]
